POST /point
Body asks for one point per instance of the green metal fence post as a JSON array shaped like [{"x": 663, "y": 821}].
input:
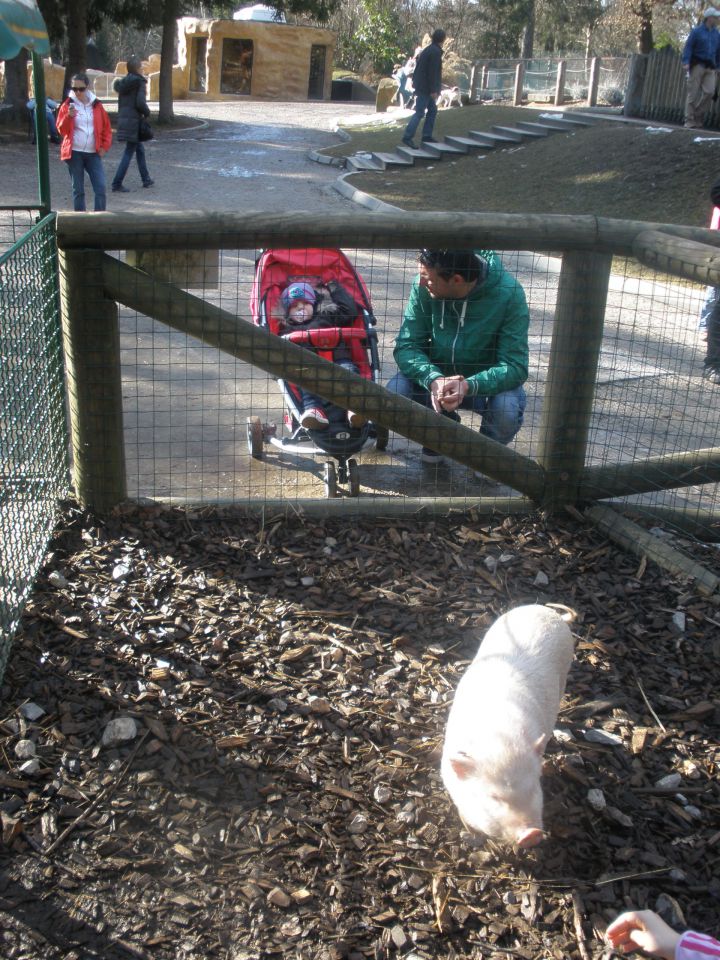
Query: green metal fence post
[{"x": 41, "y": 134}]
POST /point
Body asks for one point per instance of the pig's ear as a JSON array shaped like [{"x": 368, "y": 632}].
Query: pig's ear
[
  {"x": 540, "y": 743},
  {"x": 463, "y": 766}
]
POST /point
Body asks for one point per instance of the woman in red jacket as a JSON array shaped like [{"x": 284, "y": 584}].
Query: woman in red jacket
[{"x": 84, "y": 127}]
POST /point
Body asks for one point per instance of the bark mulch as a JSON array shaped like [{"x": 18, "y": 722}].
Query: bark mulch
[{"x": 283, "y": 686}]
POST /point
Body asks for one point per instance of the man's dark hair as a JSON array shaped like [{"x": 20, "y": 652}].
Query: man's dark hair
[
  {"x": 438, "y": 36},
  {"x": 448, "y": 263}
]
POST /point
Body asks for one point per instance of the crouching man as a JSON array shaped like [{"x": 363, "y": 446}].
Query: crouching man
[{"x": 463, "y": 343}]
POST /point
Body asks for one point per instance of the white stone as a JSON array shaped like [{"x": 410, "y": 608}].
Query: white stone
[
  {"x": 119, "y": 731},
  {"x": 679, "y": 621},
  {"x": 25, "y": 749},
  {"x": 358, "y": 824},
  {"x": 30, "y": 767},
  {"x": 596, "y": 735},
  {"x": 541, "y": 579},
  {"x": 121, "y": 571},
  {"x": 56, "y": 579},
  {"x": 596, "y": 799},
  {"x": 31, "y": 711},
  {"x": 382, "y": 793},
  {"x": 307, "y": 581},
  {"x": 669, "y": 782}
]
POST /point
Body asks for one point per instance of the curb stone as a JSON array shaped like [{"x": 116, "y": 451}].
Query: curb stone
[{"x": 363, "y": 199}]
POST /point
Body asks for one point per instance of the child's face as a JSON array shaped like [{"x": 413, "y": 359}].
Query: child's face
[{"x": 299, "y": 311}]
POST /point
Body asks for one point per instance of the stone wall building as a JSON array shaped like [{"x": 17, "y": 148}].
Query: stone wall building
[{"x": 224, "y": 59}]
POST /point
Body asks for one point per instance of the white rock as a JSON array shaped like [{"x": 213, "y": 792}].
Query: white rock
[
  {"x": 563, "y": 736},
  {"x": 597, "y": 735},
  {"x": 121, "y": 571},
  {"x": 31, "y": 711},
  {"x": 30, "y": 767},
  {"x": 56, "y": 579},
  {"x": 491, "y": 563},
  {"x": 381, "y": 793},
  {"x": 679, "y": 621},
  {"x": 119, "y": 731},
  {"x": 693, "y": 811},
  {"x": 541, "y": 579},
  {"x": 669, "y": 782},
  {"x": 596, "y": 799},
  {"x": 358, "y": 824},
  {"x": 25, "y": 749},
  {"x": 307, "y": 581}
]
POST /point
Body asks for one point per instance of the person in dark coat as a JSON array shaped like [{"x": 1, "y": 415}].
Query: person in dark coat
[
  {"x": 427, "y": 81},
  {"x": 132, "y": 105}
]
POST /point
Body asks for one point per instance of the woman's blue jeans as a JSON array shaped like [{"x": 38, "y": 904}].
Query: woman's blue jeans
[
  {"x": 80, "y": 163},
  {"x": 502, "y": 414},
  {"x": 137, "y": 148}
]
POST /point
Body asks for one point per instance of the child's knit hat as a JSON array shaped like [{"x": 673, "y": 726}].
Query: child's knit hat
[{"x": 297, "y": 291}]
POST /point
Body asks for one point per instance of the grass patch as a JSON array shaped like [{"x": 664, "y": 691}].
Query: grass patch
[{"x": 610, "y": 169}]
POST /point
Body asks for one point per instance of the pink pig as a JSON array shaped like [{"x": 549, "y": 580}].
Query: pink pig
[{"x": 501, "y": 719}]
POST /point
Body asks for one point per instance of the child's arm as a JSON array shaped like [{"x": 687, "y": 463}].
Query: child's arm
[{"x": 643, "y": 930}]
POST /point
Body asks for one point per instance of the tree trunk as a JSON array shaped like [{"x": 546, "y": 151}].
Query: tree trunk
[
  {"x": 167, "y": 56},
  {"x": 528, "y": 40},
  {"x": 645, "y": 41},
  {"x": 76, "y": 20},
  {"x": 16, "y": 85}
]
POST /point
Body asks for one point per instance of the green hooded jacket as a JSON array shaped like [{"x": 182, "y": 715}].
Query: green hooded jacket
[{"x": 483, "y": 337}]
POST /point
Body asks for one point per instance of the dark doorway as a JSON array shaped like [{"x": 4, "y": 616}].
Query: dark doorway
[
  {"x": 316, "y": 84},
  {"x": 236, "y": 66},
  {"x": 198, "y": 72}
]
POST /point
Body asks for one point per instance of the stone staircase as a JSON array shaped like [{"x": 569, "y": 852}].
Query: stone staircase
[{"x": 480, "y": 141}]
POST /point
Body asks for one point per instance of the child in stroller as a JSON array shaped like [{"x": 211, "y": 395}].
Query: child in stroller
[
  {"x": 309, "y": 308},
  {"x": 341, "y": 329}
]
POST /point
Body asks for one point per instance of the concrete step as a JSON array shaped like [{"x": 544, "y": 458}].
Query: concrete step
[
  {"x": 488, "y": 139},
  {"x": 385, "y": 160},
  {"x": 443, "y": 149},
  {"x": 466, "y": 142},
  {"x": 417, "y": 156},
  {"x": 517, "y": 132},
  {"x": 572, "y": 122},
  {"x": 363, "y": 163},
  {"x": 542, "y": 129}
]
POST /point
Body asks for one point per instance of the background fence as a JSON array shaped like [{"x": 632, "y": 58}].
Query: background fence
[
  {"x": 548, "y": 78},
  {"x": 33, "y": 435},
  {"x": 657, "y": 88}
]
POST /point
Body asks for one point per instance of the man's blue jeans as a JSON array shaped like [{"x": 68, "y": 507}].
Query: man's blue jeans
[
  {"x": 138, "y": 149},
  {"x": 78, "y": 164},
  {"x": 502, "y": 414},
  {"x": 425, "y": 106}
]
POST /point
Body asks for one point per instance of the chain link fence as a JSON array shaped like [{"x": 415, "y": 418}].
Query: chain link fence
[{"x": 33, "y": 433}]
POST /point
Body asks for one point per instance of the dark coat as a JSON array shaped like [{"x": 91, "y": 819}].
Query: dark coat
[
  {"x": 427, "y": 77},
  {"x": 131, "y": 105}
]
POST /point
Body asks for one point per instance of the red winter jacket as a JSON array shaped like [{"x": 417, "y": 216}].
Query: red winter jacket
[{"x": 66, "y": 127}]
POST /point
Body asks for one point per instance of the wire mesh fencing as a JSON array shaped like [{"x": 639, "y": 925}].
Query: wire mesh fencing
[
  {"x": 33, "y": 432},
  {"x": 203, "y": 421}
]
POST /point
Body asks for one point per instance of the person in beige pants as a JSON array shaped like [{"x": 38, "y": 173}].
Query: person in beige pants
[{"x": 701, "y": 59}]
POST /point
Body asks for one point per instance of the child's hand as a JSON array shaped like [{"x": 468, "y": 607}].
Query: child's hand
[{"x": 643, "y": 930}]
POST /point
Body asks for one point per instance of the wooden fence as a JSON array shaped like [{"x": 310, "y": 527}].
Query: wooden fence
[{"x": 657, "y": 88}]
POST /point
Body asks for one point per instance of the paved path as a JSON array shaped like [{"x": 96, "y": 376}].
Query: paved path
[{"x": 243, "y": 156}]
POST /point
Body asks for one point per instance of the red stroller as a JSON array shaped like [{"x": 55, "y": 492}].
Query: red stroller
[{"x": 276, "y": 269}]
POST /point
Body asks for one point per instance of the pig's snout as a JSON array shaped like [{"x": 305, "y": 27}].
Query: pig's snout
[{"x": 529, "y": 838}]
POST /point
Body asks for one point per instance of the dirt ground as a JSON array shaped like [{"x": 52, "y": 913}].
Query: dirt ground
[{"x": 285, "y": 684}]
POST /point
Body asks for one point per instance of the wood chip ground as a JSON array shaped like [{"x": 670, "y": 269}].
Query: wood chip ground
[{"x": 289, "y": 681}]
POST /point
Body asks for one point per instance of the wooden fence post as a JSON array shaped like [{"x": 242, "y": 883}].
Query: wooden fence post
[
  {"x": 92, "y": 357},
  {"x": 594, "y": 82},
  {"x": 474, "y": 80},
  {"x": 518, "y": 91},
  {"x": 570, "y": 388},
  {"x": 560, "y": 84}
]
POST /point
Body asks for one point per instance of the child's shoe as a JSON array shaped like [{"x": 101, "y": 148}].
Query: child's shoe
[
  {"x": 314, "y": 419},
  {"x": 356, "y": 420}
]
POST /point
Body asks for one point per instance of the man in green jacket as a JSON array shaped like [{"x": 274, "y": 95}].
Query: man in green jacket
[{"x": 463, "y": 342}]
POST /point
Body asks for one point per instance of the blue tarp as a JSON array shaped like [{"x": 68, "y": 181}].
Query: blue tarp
[{"x": 22, "y": 25}]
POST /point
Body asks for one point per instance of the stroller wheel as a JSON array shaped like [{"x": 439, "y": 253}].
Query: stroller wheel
[
  {"x": 382, "y": 435},
  {"x": 331, "y": 487},
  {"x": 255, "y": 437},
  {"x": 354, "y": 478}
]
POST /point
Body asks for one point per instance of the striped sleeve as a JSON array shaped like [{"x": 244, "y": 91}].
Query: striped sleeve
[{"x": 697, "y": 946}]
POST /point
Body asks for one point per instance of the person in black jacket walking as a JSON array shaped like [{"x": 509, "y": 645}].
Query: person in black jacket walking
[
  {"x": 132, "y": 105},
  {"x": 427, "y": 80}
]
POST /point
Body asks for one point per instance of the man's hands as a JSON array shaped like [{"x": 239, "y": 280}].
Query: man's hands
[{"x": 447, "y": 393}]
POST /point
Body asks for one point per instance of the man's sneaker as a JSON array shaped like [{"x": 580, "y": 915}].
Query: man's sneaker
[
  {"x": 149, "y": 183},
  {"x": 314, "y": 419},
  {"x": 430, "y": 456},
  {"x": 712, "y": 373},
  {"x": 356, "y": 420},
  {"x": 409, "y": 142}
]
